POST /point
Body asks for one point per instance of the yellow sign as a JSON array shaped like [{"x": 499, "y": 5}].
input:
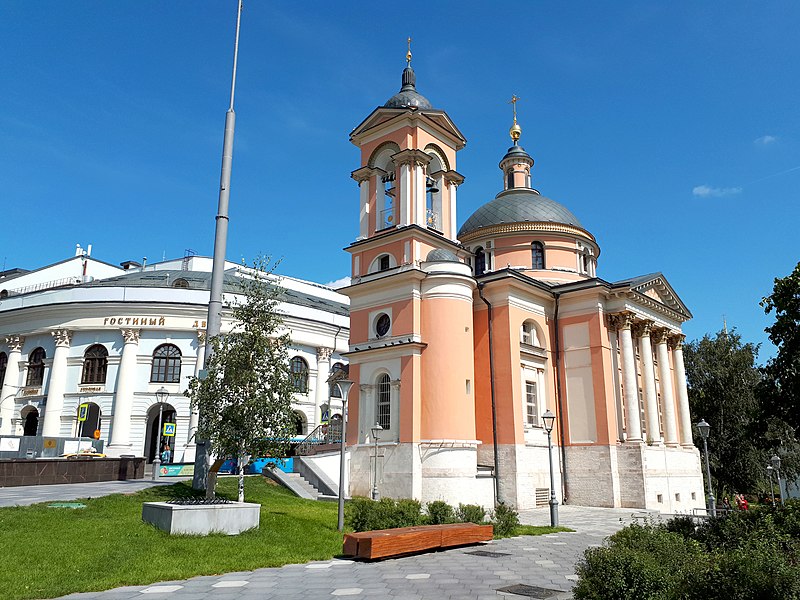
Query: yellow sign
[
  {"x": 96, "y": 434},
  {"x": 83, "y": 412},
  {"x": 49, "y": 443},
  {"x": 169, "y": 430}
]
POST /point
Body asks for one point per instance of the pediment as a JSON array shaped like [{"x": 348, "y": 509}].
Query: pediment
[
  {"x": 656, "y": 287},
  {"x": 391, "y": 117}
]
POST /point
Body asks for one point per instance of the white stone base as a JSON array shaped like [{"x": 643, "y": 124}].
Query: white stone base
[{"x": 232, "y": 519}]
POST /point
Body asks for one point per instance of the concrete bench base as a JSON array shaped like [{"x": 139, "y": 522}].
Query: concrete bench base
[{"x": 231, "y": 518}]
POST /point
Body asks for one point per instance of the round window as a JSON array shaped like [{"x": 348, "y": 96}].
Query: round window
[{"x": 382, "y": 325}]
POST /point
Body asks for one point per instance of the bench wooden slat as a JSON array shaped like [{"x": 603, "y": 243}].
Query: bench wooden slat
[{"x": 384, "y": 543}]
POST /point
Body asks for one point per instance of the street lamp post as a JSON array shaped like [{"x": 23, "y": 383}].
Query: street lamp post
[
  {"x": 776, "y": 464},
  {"x": 549, "y": 419},
  {"x": 375, "y": 430},
  {"x": 344, "y": 386},
  {"x": 771, "y": 486},
  {"x": 704, "y": 429},
  {"x": 161, "y": 396}
]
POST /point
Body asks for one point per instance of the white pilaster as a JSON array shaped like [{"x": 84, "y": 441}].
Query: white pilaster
[
  {"x": 453, "y": 226},
  {"x": 123, "y": 398},
  {"x": 10, "y": 383},
  {"x": 403, "y": 194},
  {"x": 649, "y": 377},
  {"x": 676, "y": 342},
  {"x": 363, "y": 188},
  {"x": 321, "y": 387},
  {"x": 665, "y": 381},
  {"x": 420, "y": 197},
  {"x": 633, "y": 425},
  {"x": 57, "y": 384}
]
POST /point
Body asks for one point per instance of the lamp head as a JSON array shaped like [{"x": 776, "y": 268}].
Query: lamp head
[
  {"x": 376, "y": 429},
  {"x": 703, "y": 428},
  {"x": 162, "y": 394},
  {"x": 770, "y": 469},
  {"x": 344, "y": 386},
  {"x": 548, "y": 418},
  {"x": 776, "y": 462}
]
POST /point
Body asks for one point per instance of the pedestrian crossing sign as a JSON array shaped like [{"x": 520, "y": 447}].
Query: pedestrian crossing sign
[
  {"x": 83, "y": 412},
  {"x": 169, "y": 429}
]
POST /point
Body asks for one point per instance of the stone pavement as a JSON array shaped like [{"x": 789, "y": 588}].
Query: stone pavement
[
  {"x": 470, "y": 573},
  {"x": 31, "y": 494}
]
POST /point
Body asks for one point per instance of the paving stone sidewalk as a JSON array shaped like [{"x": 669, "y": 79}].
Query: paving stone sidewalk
[
  {"x": 471, "y": 573},
  {"x": 32, "y": 494}
]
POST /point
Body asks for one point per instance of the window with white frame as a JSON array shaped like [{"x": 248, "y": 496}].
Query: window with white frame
[
  {"x": 531, "y": 404},
  {"x": 384, "y": 404},
  {"x": 528, "y": 334}
]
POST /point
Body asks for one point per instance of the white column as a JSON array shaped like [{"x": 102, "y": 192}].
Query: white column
[
  {"x": 420, "y": 197},
  {"x": 123, "y": 398},
  {"x": 10, "y": 383},
  {"x": 57, "y": 384},
  {"x": 676, "y": 343},
  {"x": 649, "y": 377},
  {"x": 199, "y": 366},
  {"x": 403, "y": 194},
  {"x": 363, "y": 188},
  {"x": 321, "y": 387},
  {"x": 665, "y": 381},
  {"x": 451, "y": 233},
  {"x": 633, "y": 425}
]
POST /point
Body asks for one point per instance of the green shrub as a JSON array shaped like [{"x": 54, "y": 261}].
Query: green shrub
[
  {"x": 640, "y": 562},
  {"x": 470, "y": 513},
  {"x": 505, "y": 520},
  {"x": 682, "y": 525},
  {"x": 439, "y": 512},
  {"x": 363, "y": 514}
]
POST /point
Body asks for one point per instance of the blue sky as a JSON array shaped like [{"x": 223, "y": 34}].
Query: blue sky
[{"x": 670, "y": 129}]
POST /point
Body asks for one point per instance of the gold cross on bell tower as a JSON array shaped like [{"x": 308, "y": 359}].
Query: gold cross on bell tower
[
  {"x": 408, "y": 54},
  {"x": 515, "y": 130}
]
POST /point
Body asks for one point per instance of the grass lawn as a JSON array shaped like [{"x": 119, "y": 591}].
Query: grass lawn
[{"x": 50, "y": 552}]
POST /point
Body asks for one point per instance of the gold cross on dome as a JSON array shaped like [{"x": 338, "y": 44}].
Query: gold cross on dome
[
  {"x": 408, "y": 54},
  {"x": 513, "y": 102}
]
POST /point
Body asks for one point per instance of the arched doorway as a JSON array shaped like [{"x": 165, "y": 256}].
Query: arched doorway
[
  {"x": 30, "y": 421},
  {"x": 87, "y": 428},
  {"x": 151, "y": 442},
  {"x": 299, "y": 423}
]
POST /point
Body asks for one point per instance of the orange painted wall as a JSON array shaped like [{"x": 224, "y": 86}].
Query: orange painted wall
[{"x": 447, "y": 364}]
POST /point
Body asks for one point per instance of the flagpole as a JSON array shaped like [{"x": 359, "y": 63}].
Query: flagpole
[{"x": 214, "y": 320}]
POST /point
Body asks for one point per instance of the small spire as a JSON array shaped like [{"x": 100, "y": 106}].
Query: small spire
[
  {"x": 408, "y": 54},
  {"x": 515, "y": 130}
]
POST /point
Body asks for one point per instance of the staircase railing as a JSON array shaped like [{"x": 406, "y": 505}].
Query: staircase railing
[{"x": 326, "y": 433}]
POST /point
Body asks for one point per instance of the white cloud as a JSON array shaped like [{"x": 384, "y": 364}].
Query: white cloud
[
  {"x": 339, "y": 283},
  {"x": 765, "y": 140},
  {"x": 706, "y": 191}
]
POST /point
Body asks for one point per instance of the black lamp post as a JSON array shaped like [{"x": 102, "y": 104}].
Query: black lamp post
[
  {"x": 344, "y": 386},
  {"x": 549, "y": 420},
  {"x": 375, "y": 429},
  {"x": 704, "y": 428},
  {"x": 161, "y": 396},
  {"x": 776, "y": 464}
]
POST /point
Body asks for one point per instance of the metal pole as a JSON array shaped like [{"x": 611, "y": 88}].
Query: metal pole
[
  {"x": 375, "y": 475},
  {"x": 214, "y": 320},
  {"x": 780, "y": 489},
  {"x": 157, "y": 459},
  {"x": 712, "y": 503},
  {"x": 553, "y": 501},
  {"x": 771, "y": 486},
  {"x": 341, "y": 463}
]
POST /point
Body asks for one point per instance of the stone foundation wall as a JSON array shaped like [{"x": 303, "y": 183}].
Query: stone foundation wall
[{"x": 19, "y": 472}]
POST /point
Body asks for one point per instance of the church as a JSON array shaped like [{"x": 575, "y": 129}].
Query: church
[{"x": 462, "y": 337}]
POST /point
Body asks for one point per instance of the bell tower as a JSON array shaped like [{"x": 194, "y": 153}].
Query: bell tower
[{"x": 411, "y": 349}]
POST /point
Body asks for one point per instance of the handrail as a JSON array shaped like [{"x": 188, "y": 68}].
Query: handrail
[{"x": 325, "y": 433}]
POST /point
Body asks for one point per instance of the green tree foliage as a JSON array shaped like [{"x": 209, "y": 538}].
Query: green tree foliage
[
  {"x": 781, "y": 387},
  {"x": 723, "y": 377},
  {"x": 245, "y": 399}
]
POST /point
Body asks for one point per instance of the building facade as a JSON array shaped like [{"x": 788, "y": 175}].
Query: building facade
[
  {"x": 462, "y": 338},
  {"x": 83, "y": 332}
]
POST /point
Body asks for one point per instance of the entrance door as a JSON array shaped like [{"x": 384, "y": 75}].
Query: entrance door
[
  {"x": 31, "y": 426},
  {"x": 152, "y": 439}
]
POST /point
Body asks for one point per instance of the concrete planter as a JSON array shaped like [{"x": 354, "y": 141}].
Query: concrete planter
[{"x": 232, "y": 519}]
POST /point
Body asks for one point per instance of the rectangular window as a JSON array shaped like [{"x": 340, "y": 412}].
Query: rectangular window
[{"x": 531, "y": 404}]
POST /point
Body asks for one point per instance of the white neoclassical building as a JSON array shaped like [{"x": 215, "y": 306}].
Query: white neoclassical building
[{"x": 84, "y": 332}]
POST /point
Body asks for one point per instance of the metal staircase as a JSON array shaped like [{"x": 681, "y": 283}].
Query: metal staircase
[{"x": 323, "y": 436}]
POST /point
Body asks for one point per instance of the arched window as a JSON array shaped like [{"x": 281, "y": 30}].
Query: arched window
[
  {"x": 387, "y": 213},
  {"x": 3, "y": 367},
  {"x": 299, "y": 420},
  {"x": 384, "y": 408},
  {"x": 480, "y": 261},
  {"x": 95, "y": 363},
  {"x": 537, "y": 255},
  {"x": 36, "y": 367},
  {"x": 180, "y": 282},
  {"x": 528, "y": 334},
  {"x": 299, "y": 369},
  {"x": 166, "y": 364},
  {"x": 337, "y": 372}
]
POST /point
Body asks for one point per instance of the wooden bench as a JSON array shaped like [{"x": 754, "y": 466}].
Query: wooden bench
[{"x": 385, "y": 543}]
